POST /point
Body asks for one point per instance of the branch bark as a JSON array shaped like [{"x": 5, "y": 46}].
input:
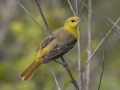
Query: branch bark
[
  {"x": 71, "y": 7},
  {"x": 102, "y": 69},
  {"x": 30, "y": 15},
  {"x": 113, "y": 23},
  {"x": 101, "y": 42},
  {"x": 98, "y": 16},
  {"x": 89, "y": 45},
  {"x": 80, "y": 62},
  {"x": 43, "y": 17},
  {"x": 55, "y": 79}
]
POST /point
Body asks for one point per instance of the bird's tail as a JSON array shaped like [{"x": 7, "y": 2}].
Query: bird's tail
[{"x": 31, "y": 69}]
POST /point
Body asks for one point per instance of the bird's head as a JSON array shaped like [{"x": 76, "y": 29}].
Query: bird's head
[{"x": 72, "y": 22}]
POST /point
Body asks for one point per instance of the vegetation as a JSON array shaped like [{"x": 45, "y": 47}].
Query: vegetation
[{"x": 20, "y": 36}]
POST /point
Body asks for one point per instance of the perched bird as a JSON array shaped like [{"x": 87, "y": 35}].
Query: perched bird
[{"x": 54, "y": 46}]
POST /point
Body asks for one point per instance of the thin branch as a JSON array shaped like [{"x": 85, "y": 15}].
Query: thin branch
[
  {"x": 80, "y": 61},
  {"x": 101, "y": 42},
  {"x": 71, "y": 62},
  {"x": 99, "y": 16},
  {"x": 76, "y": 4},
  {"x": 89, "y": 45},
  {"x": 70, "y": 74},
  {"x": 81, "y": 10},
  {"x": 79, "y": 53},
  {"x": 71, "y": 7},
  {"x": 113, "y": 23},
  {"x": 30, "y": 16},
  {"x": 55, "y": 79},
  {"x": 42, "y": 15},
  {"x": 102, "y": 69}
]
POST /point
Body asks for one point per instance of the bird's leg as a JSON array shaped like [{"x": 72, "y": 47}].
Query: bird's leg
[
  {"x": 64, "y": 63},
  {"x": 58, "y": 62},
  {"x": 72, "y": 79}
]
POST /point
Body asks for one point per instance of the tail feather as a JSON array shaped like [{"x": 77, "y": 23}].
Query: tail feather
[{"x": 30, "y": 70}]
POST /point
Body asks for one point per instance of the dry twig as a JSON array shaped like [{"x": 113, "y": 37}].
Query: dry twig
[
  {"x": 71, "y": 62},
  {"x": 80, "y": 61},
  {"x": 81, "y": 10},
  {"x": 79, "y": 53},
  {"x": 71, "y": 7},
  {"x": 101, "y": 42},
  {"x": 102, "y": 69},
  {"x": 113, "y": 23},
  {"x": 43, "y": 17},
  {"x": 55, "y": 79},
  {"x": 76, "y": 4},
  {"x": 31, "y": 16},
  {"x": 70, "y": 74},
  {"x": 89, "y": 45},
  {"x": 98, "y": 16}
]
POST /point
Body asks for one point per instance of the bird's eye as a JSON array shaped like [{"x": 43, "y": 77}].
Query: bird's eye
[{"x": 72, "y": 20}]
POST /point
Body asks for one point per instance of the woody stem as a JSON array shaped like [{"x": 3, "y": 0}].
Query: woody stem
[{"x": 72, "y": 79}]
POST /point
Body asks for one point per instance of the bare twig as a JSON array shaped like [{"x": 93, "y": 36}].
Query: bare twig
[
  {"x": 71, "y": 7},
  {"x": 79, "y": 54},
  {"x": 76, "y": 4},
  {"x": 81, "y": 10},
  {"x": 101, "y": 42},
  {"x": 99, "y": 16},
  {"x": 42, "y": 15},
  {"x": 80, "y": 61},
  {"x": 31, "y": 16},
  {"x": 113, "y": 23},
  {"x": 55, "y": 79},
  {"x": 70, "y": 74},
  {"x": 71, "y": 62},
  {"x": 102, "y": 69},
  {"x": 89, "y": 45}
]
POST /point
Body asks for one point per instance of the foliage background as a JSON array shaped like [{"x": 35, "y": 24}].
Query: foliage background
[{"x": 20, "y": 36}]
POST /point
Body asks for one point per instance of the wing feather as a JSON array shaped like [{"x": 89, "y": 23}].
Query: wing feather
[
  {"x": 45, "y": 42},
  {"x": 56, "y": 52}
]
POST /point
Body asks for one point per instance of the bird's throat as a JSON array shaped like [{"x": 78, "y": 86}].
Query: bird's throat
[{"x": 72, "y": 31}]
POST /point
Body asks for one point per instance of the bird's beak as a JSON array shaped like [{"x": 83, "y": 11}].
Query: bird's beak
[{"x": 80, "y": 19}]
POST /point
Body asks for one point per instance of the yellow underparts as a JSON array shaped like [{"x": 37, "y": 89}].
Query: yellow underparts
[{"x": 73, "y": 31}]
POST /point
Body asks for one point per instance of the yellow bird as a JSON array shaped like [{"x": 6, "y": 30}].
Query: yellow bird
[{"x": 54, "y": 46}]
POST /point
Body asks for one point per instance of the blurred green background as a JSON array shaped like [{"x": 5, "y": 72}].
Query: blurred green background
[{"x": 20, "y": 36}]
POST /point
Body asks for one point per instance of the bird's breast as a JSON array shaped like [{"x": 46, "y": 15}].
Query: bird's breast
[{"x": 64, "y": 38}]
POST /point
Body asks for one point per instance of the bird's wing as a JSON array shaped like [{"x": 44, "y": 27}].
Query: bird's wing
[
  {"x": 45, "y": 42},
  {"x": 56, "y": 52}
]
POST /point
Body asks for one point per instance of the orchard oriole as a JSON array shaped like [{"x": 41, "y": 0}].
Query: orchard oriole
[{"x": 54, "y": 46}]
